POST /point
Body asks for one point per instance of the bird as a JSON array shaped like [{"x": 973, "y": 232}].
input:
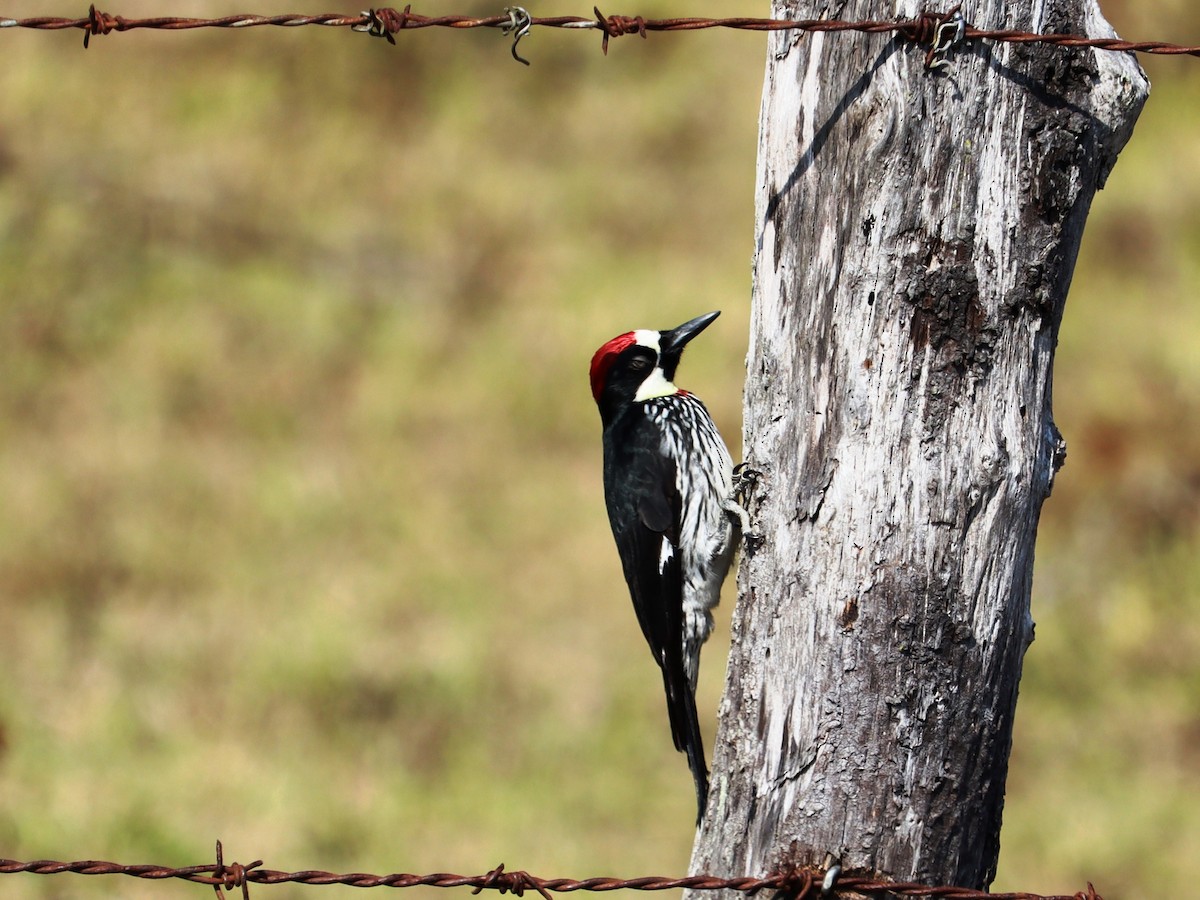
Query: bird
[{"x": 669, "y": 492}]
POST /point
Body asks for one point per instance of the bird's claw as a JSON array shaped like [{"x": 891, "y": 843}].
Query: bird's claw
[{"x": 745, "y": 479}]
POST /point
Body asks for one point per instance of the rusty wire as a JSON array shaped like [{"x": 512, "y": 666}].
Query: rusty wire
[
  {"x": 807, "y": 883},
  {"x": 387, "y": 22}
]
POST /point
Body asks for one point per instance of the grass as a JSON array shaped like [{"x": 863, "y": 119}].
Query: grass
[{"x": 303, "y": 543}]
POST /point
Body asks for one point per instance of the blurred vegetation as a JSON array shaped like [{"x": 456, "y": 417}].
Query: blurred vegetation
[{"x": 303, "y": 544}]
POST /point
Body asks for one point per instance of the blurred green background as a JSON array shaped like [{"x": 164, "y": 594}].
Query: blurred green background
[{"x": 302, "y": 542}]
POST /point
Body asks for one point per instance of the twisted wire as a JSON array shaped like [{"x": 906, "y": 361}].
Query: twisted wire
[
  {"x": 807, "y": 883},
  {"x": 387, "y": 22}
]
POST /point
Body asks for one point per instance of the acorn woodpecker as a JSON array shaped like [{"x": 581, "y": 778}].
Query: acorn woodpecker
[{"x": 668, "y": 486}]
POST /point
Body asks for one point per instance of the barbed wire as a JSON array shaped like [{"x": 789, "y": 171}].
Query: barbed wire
[
  {"x": 925, "y": 30},
  {"x": 806, "y": 883}
]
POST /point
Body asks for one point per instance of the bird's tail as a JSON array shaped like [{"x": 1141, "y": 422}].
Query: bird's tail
[{"x": 685, "y": 730}]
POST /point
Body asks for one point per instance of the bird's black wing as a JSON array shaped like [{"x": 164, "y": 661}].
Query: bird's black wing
[{"x": 646, "y": 518}]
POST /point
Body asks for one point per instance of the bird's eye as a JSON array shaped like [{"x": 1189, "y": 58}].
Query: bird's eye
[{"x": 638, "y": 363}]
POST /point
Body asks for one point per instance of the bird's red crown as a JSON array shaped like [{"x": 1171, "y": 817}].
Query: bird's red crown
[{"x": 604, "y": 358}]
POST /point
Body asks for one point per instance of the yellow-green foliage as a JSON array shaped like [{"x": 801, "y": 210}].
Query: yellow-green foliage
[{"x": 302, "y": 543}]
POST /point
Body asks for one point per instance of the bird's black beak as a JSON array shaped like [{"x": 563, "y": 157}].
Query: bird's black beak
[{"x": 676, "y": 339}]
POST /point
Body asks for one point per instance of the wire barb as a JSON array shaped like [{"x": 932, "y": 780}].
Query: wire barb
[
  {"x": 511, "y": 882},
  {"x": 949, "y": 32},
  {"x": 383, "y": 22},
  {"x": 615, "y": 26},
  {"x": 98, "y": 23},
  {"x": 519, "y": 23},
  {"x": 231, "y": 876},
  {"x": 794, "y": 884}
]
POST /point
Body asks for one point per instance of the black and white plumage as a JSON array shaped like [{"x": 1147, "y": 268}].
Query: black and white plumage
[{"x": 668, "y": 486}]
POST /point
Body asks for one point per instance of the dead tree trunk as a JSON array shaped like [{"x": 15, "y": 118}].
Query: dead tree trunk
[{"x": 916, "y": 234}]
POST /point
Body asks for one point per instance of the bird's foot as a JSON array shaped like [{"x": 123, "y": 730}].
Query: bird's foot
[{"x": 745, "y": 480}]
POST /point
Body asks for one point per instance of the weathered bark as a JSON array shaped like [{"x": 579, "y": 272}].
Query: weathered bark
[{"x": 916, "y": 238}]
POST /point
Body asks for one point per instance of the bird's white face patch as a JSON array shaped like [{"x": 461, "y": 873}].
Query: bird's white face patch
[
  {"x": 647, "y": 338},
  {"x": 656, "y": 383}
]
